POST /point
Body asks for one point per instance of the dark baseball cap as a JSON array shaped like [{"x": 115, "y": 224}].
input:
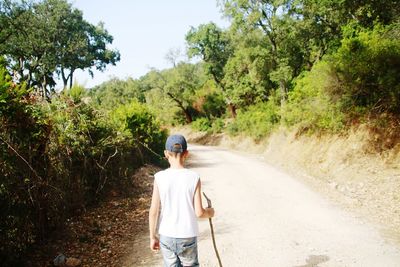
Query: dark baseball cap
[{"x": 176, "y": 143}]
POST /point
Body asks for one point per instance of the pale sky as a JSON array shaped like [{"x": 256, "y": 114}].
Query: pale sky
[{"x": 144, "y": 31}]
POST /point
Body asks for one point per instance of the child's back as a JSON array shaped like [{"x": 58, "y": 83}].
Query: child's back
[
  {"x": 177, "y": 188},
  {"x": 177, "y": 193}
]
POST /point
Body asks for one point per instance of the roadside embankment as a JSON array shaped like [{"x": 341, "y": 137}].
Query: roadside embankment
[{"x": 343, "y": 168}]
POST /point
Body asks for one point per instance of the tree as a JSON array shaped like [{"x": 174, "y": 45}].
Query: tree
[
  {"x": 183, "y": 81},
  {"x": 368, "y": 12},
  {"x": 173, "y": 56},
  {"x": 246, "y": 78},
  {"x": 273, "y": 18},
  {"x": 85, "y": 48},
  {"x": 179, "y": 84},
  {"x": 25, "y": 44},
  {"x": 213, "y": 46},
  {"x": 50, "y": 37},
  {"x": 321, "y": 21},
  {"x": 115, "y": 92}
]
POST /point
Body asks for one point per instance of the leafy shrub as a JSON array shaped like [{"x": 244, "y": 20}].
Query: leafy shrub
[
  {"x": 368, "y": 68},
  {"x": 309, "y": 106},
  {"x": 201, "y": 124},
  {"x": 20, "y": 132},
  {"x": 116, "y": 92},
  {"x": 92, "y": 146},
  {"x": 214, "y": 105},
  {"x": 58, "y": 157},
  {"x": 76, "y": 92},
  {"x": 137, "y": 121},
  {"x": 362, "y": 77},
  {"x": 164, "y": 108},
  {"x": 218, "y": 125},
  {"x": 257, "y": 121}
]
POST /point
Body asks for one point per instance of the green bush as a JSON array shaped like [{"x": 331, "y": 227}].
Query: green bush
[
  {"x": 76, "y": 92},
  {"x": 206, "y": 125},
  {"x": 309, "y": 106},
  {"x": 256, "y": 121},
  {"x": 140, "y": 124},
  {"x": 116, "y": 92},
  {"x": 361, "y": 78},
  {"x": 214, "y": 105},
  {"x": 217, "y": 125},
  {"x": 58, "y": 157},
  {"x": 22, "y": 137},
  {"x": 201, "y": 124},
  {"x": 368, "y": 68},
  {"x": 93, "y": 147}
]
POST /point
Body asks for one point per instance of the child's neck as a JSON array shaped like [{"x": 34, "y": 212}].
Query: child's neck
[{"x": 176, "y": 164}]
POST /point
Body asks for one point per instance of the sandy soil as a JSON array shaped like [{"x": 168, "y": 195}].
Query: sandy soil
[{"x": 265, "y": 217}]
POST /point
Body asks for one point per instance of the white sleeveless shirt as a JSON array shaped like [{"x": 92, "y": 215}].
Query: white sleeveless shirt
[{"x": 177, "y": 187}]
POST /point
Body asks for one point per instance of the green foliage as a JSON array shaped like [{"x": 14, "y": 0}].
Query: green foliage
[
  {"x": 256, "y": 121},
  {"x": 115, "y": 92},
  {"x": 136, "y": 120},
  {"x": 18, "y": 126},
  {"x": 164, "y": 108},
  {"x": 309, "y": 106},
  {"x": 204, "y": 124},
  {"x": 214, "y": 47},
  {"x": 58, "y": 157},
  {"x": 201, "y": 124},
  {"x": 178, "y": 86},
  {"x": 213, "y": 105},
  {"x": 9, "y": 92},
  {"x": 42, "y": 39},
  {"x": 246, "y": 72},
  {"x": 76, "y": 92},
  {"x": 368, "y": 68},
  {"x": 218, "y": 125},
  {"x": 211, "y": 44}
]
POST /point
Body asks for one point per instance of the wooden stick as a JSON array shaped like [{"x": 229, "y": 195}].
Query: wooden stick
[{"x": 212, "y": 231}]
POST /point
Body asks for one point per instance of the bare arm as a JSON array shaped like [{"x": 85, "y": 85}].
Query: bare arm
[
  {"x": 153, "y": 218},
  {"x": 198, "y": 206}
]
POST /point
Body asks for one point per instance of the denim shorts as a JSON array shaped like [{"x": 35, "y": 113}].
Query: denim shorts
[{"x": 178, "y": 252}]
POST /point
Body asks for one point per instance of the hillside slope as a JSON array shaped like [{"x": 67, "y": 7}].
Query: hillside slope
[{"x": 340, "y": 167}]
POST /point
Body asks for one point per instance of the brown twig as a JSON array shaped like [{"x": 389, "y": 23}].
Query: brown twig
[
  {"x": 41, "y": 180},
  {"x": 212, "y": 231},
  {"x": 23, "y": 159}
]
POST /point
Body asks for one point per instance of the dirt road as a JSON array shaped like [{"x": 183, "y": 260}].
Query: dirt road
[{"x": 267, "y": 218}]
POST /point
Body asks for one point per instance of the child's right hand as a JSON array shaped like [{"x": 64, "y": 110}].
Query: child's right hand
[
  {"x": 210, "y": 212},
  {"x": 154, "y": 244}
]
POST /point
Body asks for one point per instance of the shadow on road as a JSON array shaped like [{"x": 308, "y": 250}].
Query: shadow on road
[
  {"x": 199, "y": 164},
  {"x": 314, "y": 260}
]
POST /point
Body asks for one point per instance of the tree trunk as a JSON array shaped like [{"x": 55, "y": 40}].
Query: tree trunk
[
  {"x": 65, "y": 79},
  {"x": 29, "y": 79},
  {"x": 232, "y": 110},
  {"x": 283, "y": 88},
  {"x": 188, "y": 116},
  {"x": 71, "y": 77},
  {"x": 44, "y": 86}
]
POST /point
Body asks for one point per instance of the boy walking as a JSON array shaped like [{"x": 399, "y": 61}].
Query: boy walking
[{"x": 177, "y": 192}]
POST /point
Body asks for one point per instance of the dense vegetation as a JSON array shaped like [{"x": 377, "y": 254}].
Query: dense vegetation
[
  {"x": 57, "y": 157},
  {"x": 314, "y": 65},
  {"x": 59, "y": 152},
  {"x": 317, "y": 66}
]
